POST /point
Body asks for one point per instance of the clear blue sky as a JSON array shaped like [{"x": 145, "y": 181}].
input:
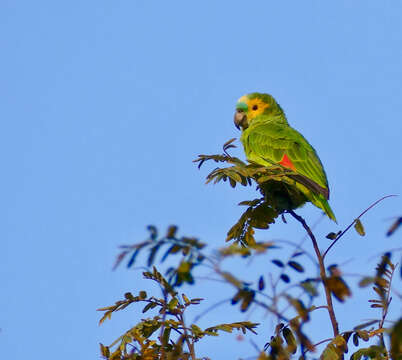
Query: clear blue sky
[{"x": 103, "y": 107}]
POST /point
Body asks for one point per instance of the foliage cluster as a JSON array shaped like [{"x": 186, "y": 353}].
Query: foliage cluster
[{"x": 290, "y": 295}]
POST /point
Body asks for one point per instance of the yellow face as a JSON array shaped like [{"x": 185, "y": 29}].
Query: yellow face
[{"x": 255, "y": 106}]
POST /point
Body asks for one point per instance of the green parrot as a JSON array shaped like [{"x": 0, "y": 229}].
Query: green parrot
[{"x": 268, "y": 140}]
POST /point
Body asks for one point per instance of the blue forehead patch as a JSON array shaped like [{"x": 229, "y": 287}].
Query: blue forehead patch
[{"x": 241, "y": 106}]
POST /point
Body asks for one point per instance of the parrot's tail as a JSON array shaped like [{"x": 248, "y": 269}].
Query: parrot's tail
[
  {"x": 318, "y": 199},
  {"x": 322, "y": 203}
]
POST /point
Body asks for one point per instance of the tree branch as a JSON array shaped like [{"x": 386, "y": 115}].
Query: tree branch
[
  {"x": 323, "y": 275},
  {"x": 190, "y": 344},
  {"x": 353, "y": 222},
  {"x": 164, "y": 310}
]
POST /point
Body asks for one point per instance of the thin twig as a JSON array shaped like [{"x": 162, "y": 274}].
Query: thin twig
[
  {"x": 353, "y": 222},
  {"x": 323, "y": 275},
  {"x": 375, "y": 256},
  {"x": 319, "y": 343},
  {"x": 274, "y": 298},
  {"x": 164, "y": 308},
  {"x": 322, "y": 342},
  {"x": 273, "y": 311},
  {"x": 386, "y": 307},
  {"x": 274, "y": 284},
  {"x": 190, "y": 344},
  {"x": 214, "y": 306}
]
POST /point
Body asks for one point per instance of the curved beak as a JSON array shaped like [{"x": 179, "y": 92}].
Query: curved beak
[{"x": 240, "y": 119}]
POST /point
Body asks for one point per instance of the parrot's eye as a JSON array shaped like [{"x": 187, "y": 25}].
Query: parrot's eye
[{"x": 255, "y": 107}]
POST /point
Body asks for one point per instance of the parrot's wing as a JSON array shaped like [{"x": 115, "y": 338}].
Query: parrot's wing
[{"x": 281, "y": 144}]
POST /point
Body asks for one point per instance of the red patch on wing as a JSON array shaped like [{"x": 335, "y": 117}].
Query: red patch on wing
[{"x": 287, "y": 163}]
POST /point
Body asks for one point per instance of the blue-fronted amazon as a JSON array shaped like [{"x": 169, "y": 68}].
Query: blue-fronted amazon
[{"x": 268, "y": 140}]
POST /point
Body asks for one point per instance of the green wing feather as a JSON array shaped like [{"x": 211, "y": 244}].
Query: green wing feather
[{"x": 266, "y": 142}]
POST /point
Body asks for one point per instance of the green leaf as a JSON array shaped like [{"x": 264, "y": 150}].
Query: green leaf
[
  {"x": 301, "y": 337},
  {"x": 120, "y": 258},
  {"x": 297, "y": 253},
  {"x": 186, "y": 299},
  {"x": 332, "y": 236},
  {"x": 232, "y": 182},
  {"x": 172, "y": 250},
  {"x": 196, "y": 301},
  {"x": 152, "y": 253},
  {"x": 234, "y": 249},
  {"x": 363, "y": 334},
  {"x": 261, "y": 284},
  {"x": 296, "y": 266},
  {"x": 347, "y": 335},
  {"x": 396, "y": 340},
  {"x": 133, "y": 257},
  {"x": 248, "y": 238},
  {"x": 106, "y": 315},
  {"x": 335, "y": 349},
  {"x": 373, "y": 352},
  {"x": 278, "y": 263},
  {"x": 237, "y": 297},
  {"x": 105, "y": 351},
  {"x": 262, "y": 216},
  {"x": 299, "y": 307},
  {"x": 129, "y": 296},
  {"x": 330, "y": 353},
  {"x": 184, "y": 267},
  {"x": 241, "y": 325},
  {"x": 148, "y": 327},
  {"x": 377, "y": 306},
  {"x": 149, "y": 306},
  {"x": 235, "y": 176},
  {"x": 231, "y": 279},
  {"x": 171, "y": 232},
  {"x": 290, "y": 340},
  {"x": 394, "y": 226},
  {"x": 251, "y": 203},
  {"x": 359, "y": 227},
  {"x": 197, "y": 331},
  {"x": 248, "y": 298},
  {"x": 228, "y": 144},
  {"x": 355, "y": 339},
  {"x": 368, "y": 280},
  {"x": 153, "y": 231},
  {"x": 309, "y": 288},
  {"x": 166, "y": 336},
  {"x": 338, "y": 287}
]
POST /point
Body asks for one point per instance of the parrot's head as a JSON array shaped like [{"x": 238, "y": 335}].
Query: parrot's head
[{"x": 252, "y": 105}]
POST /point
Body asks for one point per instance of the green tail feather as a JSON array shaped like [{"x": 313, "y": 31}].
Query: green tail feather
[
  {"x": 289, "y": 195},
  {"x": 322, "y": 203},
  {"x": 316, "y": 199}
]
